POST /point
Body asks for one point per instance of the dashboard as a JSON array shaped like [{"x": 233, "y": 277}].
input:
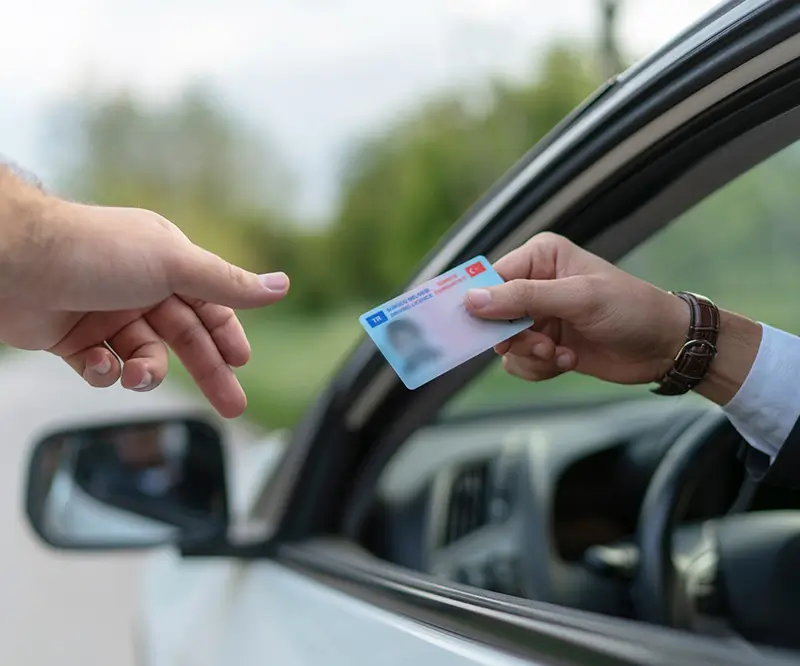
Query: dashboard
[{"x": 515, "y": 502}]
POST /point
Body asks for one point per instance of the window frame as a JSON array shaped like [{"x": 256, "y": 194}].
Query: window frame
[{"x": 540, "y": 632}]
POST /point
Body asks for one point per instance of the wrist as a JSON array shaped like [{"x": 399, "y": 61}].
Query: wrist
[
  {"x": 674, "y": 325},
  {"x": 737, "y": 347},
  {"x": 24, "y": 231}
]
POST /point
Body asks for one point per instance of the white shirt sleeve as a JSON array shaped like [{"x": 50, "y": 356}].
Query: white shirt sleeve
[{"x": 767, "y": 405}]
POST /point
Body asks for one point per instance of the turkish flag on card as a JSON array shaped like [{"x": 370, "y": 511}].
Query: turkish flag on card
[{"x": 475, "y": 269}]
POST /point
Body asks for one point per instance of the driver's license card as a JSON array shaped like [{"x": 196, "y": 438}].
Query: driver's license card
[{"x": 427, "y": 331}]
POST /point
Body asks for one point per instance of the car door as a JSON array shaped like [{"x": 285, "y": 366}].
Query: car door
[{"x": 311, "y": 593}]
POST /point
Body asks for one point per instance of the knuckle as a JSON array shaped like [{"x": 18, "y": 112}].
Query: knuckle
[
  {"x": 548, "y": 237},
  {"x": 555, "y": 240},
  {"x": 527, "y": 368},
  {"x": 212, "y": 371},
  {"x": 513, "y": 365},
  {"x": 197, "y": 304},
  {"x": 160, "y": 220},
  {"x": 522, "y": 295},
  {"x": 226, "y": 320},
  {"x": 508, "y": 364},
  {"x": 589, "y": 290},
  {"x": 177, "y": 267},
  {"x": 541, "y": 375},
  {"x": 189, "y": 336},
  {"x": 236, "y": 275},
  {"x": 520, "y": 348},
  {"x": 521, "y": 290}
]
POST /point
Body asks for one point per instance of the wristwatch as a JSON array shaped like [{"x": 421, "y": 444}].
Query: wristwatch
[{"x": 693, "y": 360}]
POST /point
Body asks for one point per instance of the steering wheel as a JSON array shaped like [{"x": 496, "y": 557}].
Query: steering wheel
[{"x": 737, "y": 573}]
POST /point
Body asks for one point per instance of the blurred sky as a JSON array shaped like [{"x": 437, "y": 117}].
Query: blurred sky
[{"x": 313, "y": 74}]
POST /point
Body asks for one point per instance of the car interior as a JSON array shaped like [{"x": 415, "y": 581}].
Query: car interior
[{"x": 607, "y": 498}]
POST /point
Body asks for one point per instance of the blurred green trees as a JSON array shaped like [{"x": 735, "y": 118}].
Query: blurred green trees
[{"x": 405, "y": 188}]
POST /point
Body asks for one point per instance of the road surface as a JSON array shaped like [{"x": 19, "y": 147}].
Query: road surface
[{"x": 61, "y": 609}]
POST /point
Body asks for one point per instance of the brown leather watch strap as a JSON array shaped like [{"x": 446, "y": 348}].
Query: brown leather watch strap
[{"x": 694, "y": 358}]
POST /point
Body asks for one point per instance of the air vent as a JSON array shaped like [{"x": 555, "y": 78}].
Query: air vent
[{"x": 469, "y": 502}]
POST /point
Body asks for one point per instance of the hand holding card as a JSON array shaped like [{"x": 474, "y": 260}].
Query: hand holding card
[{"x": 427, "y": 331}]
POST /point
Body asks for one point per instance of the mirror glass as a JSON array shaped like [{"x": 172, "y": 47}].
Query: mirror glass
[{"x": 128, "y": 485}]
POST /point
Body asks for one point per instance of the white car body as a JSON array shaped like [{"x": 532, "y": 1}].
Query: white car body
[{"x": 217, "y": 612}]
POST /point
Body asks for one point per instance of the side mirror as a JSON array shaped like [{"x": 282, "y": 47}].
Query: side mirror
[{"x": 128, "y": 485}]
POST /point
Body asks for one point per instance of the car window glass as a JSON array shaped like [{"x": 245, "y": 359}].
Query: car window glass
[{"x": 738, "y": 247}]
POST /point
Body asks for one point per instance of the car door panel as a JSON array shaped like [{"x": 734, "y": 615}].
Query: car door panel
[{"x": 264, "y": 613}]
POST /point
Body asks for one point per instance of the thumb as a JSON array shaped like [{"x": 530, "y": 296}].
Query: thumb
[
  {"x": 561, "y": 298},
  {"x": 198, "y": 273}
]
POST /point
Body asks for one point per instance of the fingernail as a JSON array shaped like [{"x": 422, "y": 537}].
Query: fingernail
[
  {"x": 563, "y": 361},
  {"x": 102, "y": 368},
  {"x": 540, "y": 350},
  {"x": 275, "y": 281},
  {"x": 143, "y": 385},
  {"x": 479, "y": 298}
]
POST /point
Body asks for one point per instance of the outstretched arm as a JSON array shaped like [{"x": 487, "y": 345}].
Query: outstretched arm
[
  {"x": 591, "y": 317},
  {"x": 81, "y": 280}
]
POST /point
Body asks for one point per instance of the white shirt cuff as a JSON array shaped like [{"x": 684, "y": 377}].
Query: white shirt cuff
[{"x": 767, "y": 405}]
